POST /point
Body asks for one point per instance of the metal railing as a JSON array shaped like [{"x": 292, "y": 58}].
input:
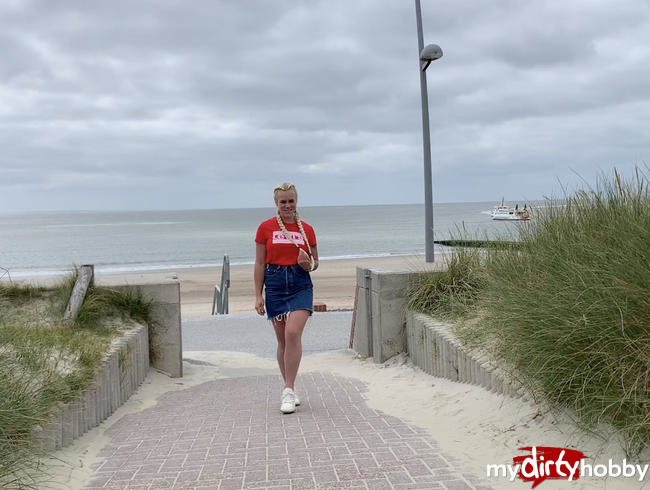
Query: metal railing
[
  {"x": 5, "y": 272},
  {"x": 220, "y": 300}
]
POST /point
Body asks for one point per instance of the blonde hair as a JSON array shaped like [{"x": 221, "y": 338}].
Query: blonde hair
[
  {"x": 285, "y": 186},
  {"x": 288, "y": 186}
]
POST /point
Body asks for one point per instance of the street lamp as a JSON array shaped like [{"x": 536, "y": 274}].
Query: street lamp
[{"x": 427, "y": 54}]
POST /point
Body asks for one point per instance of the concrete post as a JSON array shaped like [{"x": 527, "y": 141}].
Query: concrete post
[
  {"x": 362, "y": 342},
  {"x": 380, "y": 316},
  {"x": 165, "y": 339}
]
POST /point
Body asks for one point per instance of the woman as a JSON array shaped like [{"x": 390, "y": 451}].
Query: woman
[{"x": 285, "y": 254}]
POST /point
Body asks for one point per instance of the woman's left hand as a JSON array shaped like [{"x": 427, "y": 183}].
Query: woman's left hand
[
  {"x": 304, "y": 260},
  {"x": 259, "y": 306}
]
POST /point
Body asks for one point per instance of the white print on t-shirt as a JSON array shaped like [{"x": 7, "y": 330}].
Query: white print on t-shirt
[{"x": 278, "y": 237}]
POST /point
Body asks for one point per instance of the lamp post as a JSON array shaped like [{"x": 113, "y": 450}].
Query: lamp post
[{"x": 427, "y": 54}]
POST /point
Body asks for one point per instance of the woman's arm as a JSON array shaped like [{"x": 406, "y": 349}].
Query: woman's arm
[
  {"x": 258, "y": 276},
  {"x": 314, "y": 254}
]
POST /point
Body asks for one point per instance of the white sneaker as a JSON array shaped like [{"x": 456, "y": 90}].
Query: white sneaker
[
  {"x": 295, "y": 396},
  {"x": 288, "y": 401}
]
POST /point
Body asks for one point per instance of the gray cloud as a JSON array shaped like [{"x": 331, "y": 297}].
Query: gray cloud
[{"x": 164, "y": 104}]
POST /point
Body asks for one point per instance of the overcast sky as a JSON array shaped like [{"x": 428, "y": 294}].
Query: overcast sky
[{"x": 170, "y": 104}]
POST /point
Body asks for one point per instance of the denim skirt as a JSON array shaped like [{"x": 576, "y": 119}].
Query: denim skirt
[{"x": 288, "y": 288}]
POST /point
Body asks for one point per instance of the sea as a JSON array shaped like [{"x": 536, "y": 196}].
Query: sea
[{"x": 51, "y": 243}]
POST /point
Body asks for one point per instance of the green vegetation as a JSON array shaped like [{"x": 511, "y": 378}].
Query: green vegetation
[
  {"x": 569, "y": 308},
  {"x": 452, "y": 294},
  {"x": 43, "y": 362}
]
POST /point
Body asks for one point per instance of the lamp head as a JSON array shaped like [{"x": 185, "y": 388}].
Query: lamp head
[{"x": 429, "y": 53}]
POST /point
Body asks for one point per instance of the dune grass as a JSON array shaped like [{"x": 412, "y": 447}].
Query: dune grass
[
  {"x": 569, "y": 308},
  {"x": 451, "y": 294},
  {"x": 43, "y": 363}
]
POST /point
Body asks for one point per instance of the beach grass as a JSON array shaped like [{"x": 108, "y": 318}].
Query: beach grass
[
  {"x": 451, "y": 294},
  {"x": 44, "y": 363},
  {"x": 18, "y": 292},
  {"x": 569, "y": 308}
]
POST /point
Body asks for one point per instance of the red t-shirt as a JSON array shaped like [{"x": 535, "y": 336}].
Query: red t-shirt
[{"x": 279, "y": 250}]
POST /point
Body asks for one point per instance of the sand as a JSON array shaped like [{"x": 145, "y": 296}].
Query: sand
[
  {"x": 334, "y": 282},
  {"x": 476, "y": 426}
]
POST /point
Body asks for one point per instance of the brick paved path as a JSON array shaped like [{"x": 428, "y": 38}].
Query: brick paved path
[{"x": 230, "y": 434}]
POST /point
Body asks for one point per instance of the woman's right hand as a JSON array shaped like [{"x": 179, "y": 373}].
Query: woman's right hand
[
  {"x": 304, "y": 260},
  {"x": 259, "y": 306}
]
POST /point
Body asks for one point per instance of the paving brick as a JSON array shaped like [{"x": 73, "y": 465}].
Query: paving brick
[
  {"x": 123, "y": 475},
  {"x": 162, "y": 482},
  {"x": 319, "y": 456},
  {"x": 302, "y": 483},
  {"x": 381, "y": 484},
  {"x": 398, "y": 477},
  {"x": 232, "y": 474},
  {"x": 417, "y": 486},
  {"x": 417, "y": 469},
  {"x": 457, "y": 485},
  {"x": 205, "y": 485},
  {"x": 347, "y": 472},
  {"x": 322, "y": 477},
  {"x": 276, "y": 471},
  {"x": 231, "y": 484},
  {"x": 188, "y": 476}
]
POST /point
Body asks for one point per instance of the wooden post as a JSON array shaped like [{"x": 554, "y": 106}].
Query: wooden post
[
  {"x": 84, "y": 281},
  {"x": 354, "y": 315}
]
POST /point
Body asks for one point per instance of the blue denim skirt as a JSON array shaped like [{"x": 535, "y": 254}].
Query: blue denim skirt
[{"x": 288, "y": 288}]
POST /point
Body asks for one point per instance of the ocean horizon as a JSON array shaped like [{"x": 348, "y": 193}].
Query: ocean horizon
[{"x": 48, "y": 243}]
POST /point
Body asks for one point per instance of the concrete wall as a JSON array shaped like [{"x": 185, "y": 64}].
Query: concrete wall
[
  {"x": 166, "y": 344},
  {"x": 122, "y": 371},
  {"x": 380, "y": 316},
  {"x": 384, "y": 328},
  {"x": 433, "y": 347}
]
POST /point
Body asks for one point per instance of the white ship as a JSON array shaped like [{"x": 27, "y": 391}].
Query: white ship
[{"x": 503, "y": 212}]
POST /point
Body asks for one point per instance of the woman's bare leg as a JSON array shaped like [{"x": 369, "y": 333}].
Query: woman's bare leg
[
  {"x": 279, "y": 327},
  {"x": 293, "y": 328}
]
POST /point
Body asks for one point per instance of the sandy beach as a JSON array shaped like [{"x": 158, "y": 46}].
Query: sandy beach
[{"x": 334, "y": 282}]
